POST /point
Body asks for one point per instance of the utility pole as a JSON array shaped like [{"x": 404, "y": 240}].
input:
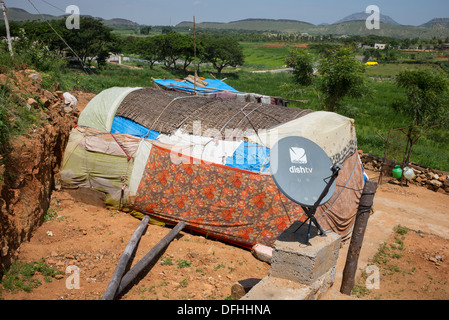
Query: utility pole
[{"x": 8, "y": 35}]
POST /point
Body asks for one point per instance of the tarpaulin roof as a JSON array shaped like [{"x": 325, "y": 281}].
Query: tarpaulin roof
[{"x": 213, "y": 85}]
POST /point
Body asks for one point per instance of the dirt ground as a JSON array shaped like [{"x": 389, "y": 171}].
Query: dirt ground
[
  {"x": 196, "y": 268},
  {"x": 91, "y": 239}
]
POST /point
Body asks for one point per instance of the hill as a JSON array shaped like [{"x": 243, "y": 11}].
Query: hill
[
  {"x": 362, "y": 16},
  {"x": 338, "y": 29},
  {"x": 20, "y": 15},
  {"x": 281, "y": 25},
  {"x": 444, "y": 22}
]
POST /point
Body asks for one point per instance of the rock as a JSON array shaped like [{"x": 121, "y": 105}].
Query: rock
[
  {"x": 242, "y": 287},
  {"x": 436, "y": 183},
  {"x": 45, "y": 102},
  {"x": 32, "y": 102},
  {"x": 35, "y": 76},
  {"x": 67, "y": 109}
]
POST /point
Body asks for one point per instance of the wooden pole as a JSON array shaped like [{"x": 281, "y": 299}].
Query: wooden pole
[
  {"x": 124, "y": 259},
  {"x": 8, "y": 35},
  {"x": 195, "y": 76},
  {"x": 361, "y": 221},
  {"x": 149, "y": 257}
]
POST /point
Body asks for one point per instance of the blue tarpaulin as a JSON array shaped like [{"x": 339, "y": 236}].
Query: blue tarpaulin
[
  {"x": 127, "y": 126},
  {"x": 213, "y": 85},
  {"x": 250, "y": 156}
]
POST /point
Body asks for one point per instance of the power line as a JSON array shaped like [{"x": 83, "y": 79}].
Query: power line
[{"x": 52, "y": 5}]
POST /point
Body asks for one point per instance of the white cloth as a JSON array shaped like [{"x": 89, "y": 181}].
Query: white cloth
[{"x": 70, "y": 100}]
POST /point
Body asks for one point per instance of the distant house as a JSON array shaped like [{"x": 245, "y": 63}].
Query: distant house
[
  {"x": 444, "y": 46},
  {"x": 380, "y": 46},
  {"x": 115, "y": 58}
]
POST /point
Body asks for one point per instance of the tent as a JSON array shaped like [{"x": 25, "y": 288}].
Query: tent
[{"x": 205, "y": 160}]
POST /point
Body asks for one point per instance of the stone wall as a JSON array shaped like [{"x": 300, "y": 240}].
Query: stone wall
[{"x": 435, "y": 180}]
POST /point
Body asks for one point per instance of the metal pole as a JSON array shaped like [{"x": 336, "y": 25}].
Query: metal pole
[{"x": 8, "y": 35}]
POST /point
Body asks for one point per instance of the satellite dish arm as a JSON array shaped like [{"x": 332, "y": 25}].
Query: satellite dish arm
[
  {"x": 310, "y": 212},
  {"x": 335, "y": 170}
]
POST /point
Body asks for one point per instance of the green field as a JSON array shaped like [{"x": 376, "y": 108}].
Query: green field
[{"x": 263, "y": 56}]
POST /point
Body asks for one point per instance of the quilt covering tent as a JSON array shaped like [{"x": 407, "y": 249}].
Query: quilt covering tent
[{"x": 205, "y": 160}]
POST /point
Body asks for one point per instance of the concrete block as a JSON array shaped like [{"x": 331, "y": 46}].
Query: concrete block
[
  {"x": 294, "y": 260},
  {"x": 273, "y": 288}
]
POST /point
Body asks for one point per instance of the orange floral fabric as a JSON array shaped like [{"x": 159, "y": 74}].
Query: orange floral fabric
[{"x": 237, "y": 206}]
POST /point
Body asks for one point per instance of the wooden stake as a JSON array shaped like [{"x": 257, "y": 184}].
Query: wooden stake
[
  {"x": 195, "y": 76},
  {"x": 149, "y": 257},
  {"x": 124, "y": 259},
  {"x": 361, "y": 221}
]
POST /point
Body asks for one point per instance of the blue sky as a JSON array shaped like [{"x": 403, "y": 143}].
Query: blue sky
[{"x": 159, "y": 12}]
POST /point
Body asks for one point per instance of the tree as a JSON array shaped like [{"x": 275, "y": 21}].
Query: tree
[
  {"x": 148, "y": 49},
  {"x": 145, "y": 30},
  {"x": 340, "y": 75},
  {"x": 302, "y": 62},
  {"x": 223, "y": 52},
  {"x": 427, "y": 102},
  {"x": 91, "y": 39},
  {"x": 170, "y": 46}
]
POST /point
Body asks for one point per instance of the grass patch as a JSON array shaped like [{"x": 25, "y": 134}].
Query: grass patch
[
  {"x": 21, "y": 275},
  {"x": 182, "y": 263}
]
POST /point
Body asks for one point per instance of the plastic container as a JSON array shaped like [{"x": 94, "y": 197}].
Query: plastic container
[
  {"x": 409, "y": 174},
  {"x": 397, "y": 172}
]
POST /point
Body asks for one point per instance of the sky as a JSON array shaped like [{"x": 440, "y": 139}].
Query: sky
[{"x": 160, "y": 12}]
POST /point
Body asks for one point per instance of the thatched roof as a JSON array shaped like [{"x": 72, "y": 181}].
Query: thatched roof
[{"x": 167, "y": 111}]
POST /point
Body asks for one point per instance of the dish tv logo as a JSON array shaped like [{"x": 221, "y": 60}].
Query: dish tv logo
[{"x": 299, "y": 156}]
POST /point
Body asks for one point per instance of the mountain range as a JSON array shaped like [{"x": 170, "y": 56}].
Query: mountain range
[
  {"x": 17, "y": 14},
  {"x": 353, "y": 24}
]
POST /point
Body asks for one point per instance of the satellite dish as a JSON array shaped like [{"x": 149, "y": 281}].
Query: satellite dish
[
  {"x": 301, "y": 170},
  {"x": 304, "y": 174}
]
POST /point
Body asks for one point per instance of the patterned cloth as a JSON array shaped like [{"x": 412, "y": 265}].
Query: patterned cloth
[{"x": 234, "y": 205}]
